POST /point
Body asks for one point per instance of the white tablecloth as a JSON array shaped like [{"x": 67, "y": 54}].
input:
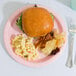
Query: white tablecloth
[{"x": 8, "y": 67}]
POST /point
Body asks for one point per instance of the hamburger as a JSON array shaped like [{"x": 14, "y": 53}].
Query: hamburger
[{"x": 37, "y": 22}]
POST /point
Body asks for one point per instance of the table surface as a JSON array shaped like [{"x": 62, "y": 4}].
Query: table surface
[{"x": 8, "y": 67}]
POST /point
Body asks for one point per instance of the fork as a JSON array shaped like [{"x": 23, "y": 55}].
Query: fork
[{"x": 72, "y": 31}]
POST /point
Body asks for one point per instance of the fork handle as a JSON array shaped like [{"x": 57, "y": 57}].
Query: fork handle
[
  {"x": 69, "y": 62},
  {"x": 75, "y": 59}
]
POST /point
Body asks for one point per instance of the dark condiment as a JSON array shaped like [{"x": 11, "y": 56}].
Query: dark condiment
[
  {"x": 52, "y": 34},
  {"x": 25, "y": 56},
  {"x": 35, "y": 5},
  {"x": 55, "y": 51}
]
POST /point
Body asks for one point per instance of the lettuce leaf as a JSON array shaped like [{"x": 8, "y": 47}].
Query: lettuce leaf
[
  {"x": 52, "y": 16},
  {"x": 19, "y": 22}
]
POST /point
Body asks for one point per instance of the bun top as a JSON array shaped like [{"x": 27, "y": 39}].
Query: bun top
[{"x": 37, "y": 21}]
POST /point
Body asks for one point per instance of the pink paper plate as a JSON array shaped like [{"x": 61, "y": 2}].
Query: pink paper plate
[{"x": 11, "y": 29}]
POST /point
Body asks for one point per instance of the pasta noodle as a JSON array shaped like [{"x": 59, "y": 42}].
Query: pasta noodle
[{"x": 24, "y": 47}]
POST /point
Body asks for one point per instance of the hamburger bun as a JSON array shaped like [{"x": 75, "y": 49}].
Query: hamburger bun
[{"x": 37, "y": 21}]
